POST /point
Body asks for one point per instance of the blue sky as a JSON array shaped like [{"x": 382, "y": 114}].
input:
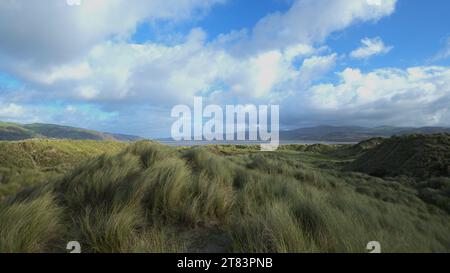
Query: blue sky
[
  {"x": 413, "y": 22},
  {"x": 122, "y": 66},
  {"x": 418, "y": 29},
  {"x": 222, "y": 18}
]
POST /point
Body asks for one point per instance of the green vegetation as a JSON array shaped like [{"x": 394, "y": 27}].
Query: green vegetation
[
  {"x": 63, "y": 132},
  {"x": 13, "y": 131},
  {"x": 419, "y": 156},
  {"x": 26, "y": 163},
  {"x": 152, "y": 198}
]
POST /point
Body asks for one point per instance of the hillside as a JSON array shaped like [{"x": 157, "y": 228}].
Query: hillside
[
  {"x": 154, "y": 198},
  {"x": 420, "y": 156},
  {"x": 354, "y": 133},
  {"x": 13, "y": 131}
]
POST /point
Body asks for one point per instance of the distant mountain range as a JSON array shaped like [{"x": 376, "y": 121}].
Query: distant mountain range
[
  {"x": 349, "y": 134},
  {"x": 354, "y": 133},
  {"x": 14, "y": 131}
]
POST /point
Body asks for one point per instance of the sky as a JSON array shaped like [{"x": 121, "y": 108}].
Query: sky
[{"x": 122, "y": 65}]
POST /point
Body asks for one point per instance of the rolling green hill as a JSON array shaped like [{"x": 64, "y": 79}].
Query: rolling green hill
[
  {"x": 153, "y": 198},
  {"x": 13, "y": 131},
  {"x": 420, "y": 156}
]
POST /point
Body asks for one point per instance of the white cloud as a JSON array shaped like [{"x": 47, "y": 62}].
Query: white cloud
[
  {"x": 116, "y": 70},
  {"x": 308, "y": 22},
  {"x": 172, "y": 74},
  {"x": 53, "y": 32},
  {"x": 315, "y": 67},
  {"x": 415, "y": 96},
  {"x": 11, "y": 110},
  {"x": 157, "y": 73},
  {"x": 370, "y": 47},
  {"x": 299, "y": 50},
  {"x": 54, "y": 74}
]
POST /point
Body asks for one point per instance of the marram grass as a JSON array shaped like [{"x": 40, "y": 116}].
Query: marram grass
[{"x": 148, "y": 197}]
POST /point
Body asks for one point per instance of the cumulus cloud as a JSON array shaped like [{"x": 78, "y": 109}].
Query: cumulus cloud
[
  {"x": 415, "y": 96},
  {"x": 52, "y": 31},
  {"x": 315, "y": 67},
  {"x": 370, "y": 47},
  {"x": 158, "y": 73},
  {"x": 111, "y": 69},
  {"x": 11, "y": 111},
  {"x": 308, "y": 21}
]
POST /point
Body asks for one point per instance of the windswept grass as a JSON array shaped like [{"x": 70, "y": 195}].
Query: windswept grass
[
  {"x": 273, "y": 228},
  {"x": 33, "y": 225},
  {"x": 27, "y": 163},
  {"x": 153, "y": 198}
]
